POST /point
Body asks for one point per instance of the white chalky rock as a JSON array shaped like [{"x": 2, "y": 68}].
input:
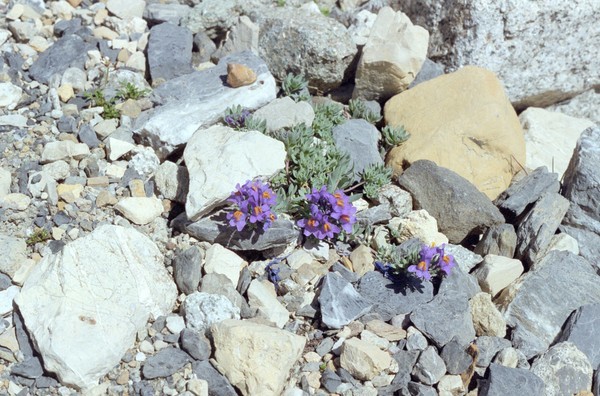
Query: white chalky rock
[
  {"x": 63, "y": 150},
  {"x": 140, "y": 210},
  {"x": 248, "y": 155},
  {"x": 263, "y": 297},
  {"x": 84, "y": 305},
  {"x": 223, "y": 261},
  {"x": 13, "y": 252},
  {"x": 201, "y": 310},
  {"x": 9, "y": 94},
  {"x": 5, "y": 180},
  {"x": 126, "y": 9}
]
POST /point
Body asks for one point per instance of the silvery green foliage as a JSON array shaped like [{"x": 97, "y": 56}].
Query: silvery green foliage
[
  {"x": 358, "y": 109},
  {"x": 393, "y": 136},
  {"x": 296, "y": 87},
  {"x": 375, "y": 177}
]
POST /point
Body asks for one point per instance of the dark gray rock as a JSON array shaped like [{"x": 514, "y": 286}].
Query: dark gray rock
[
  {"x": 69, "y": 51},
  {"x": 564, "y": 369},
  {"x": 389, "y": 298},
  {"x": 204, "y": 46},
  {"x": 416, "y": 342},
  {"x": 44, "y": 382},
  {"x": 187, "y": 267},
  {"x": 340, "y": 303},
  {"x": 429, "y": 70},
  {"x": 456, "y": 358},
  {"x": 596, "y": 383},
  {"x": 61, "y": 217},
  {"x": 29, "y": 368},
  {"x": 166, "y": 362},
  {"x": 66, "y": 124},
  {"x": 460, "y": 280},
  {"x": 325, "y": 346},
  {"x": 581, "y": 329},
  {"x": 219, "y": 284},
  {"x": 217, "y": 384},
  {"x": 539, "y": 302},
  {"x": 5, "y": 281},
  {"x": 430, "y": 367},
  {"x": 374, "y": 215},
  {"x": 169, "y": 52},
  {"x": 323, "y": 64},
  {"x": 158, "y": 13},
  {"x": 25, "y": 344},
  {"x": 348, "y": 275},
  {"x": 444, "y": 318},
  {"x": 330, "y": 381},
  {"x": 500, "y": 240},
  {"x": 502, "y": 381},
  {"x": 88, "y": 136},
  {"x": 458, "y": 206},
  {"x": 406, "y": 362},
  {"x": 195, "y": 344},
  {"x": 358, "y": 139},
  {"x": 214, "y": 229},
  {"x": 520, "y": 195},
  {"x": 582, "y": 188},
  {"x": 417, "y": 389},
  {"x": 539, "y": 226}
]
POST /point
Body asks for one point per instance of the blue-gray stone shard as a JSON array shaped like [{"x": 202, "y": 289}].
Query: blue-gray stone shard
[
  {"x": 358, "y": 139},
  {"x": 582, "y": 330},
  {"x": 504, "y": 381},
  {"x": 340, "y": 302},
  {"x": 69, "y": 51},
  {"x": 166, "y": 362},
  {"x": 169, "y": 51}
]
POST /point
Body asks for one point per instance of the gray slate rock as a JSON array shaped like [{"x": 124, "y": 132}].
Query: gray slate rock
[
  {"x": 456, "y": 358},
  {"x": 217, "y": 383},
  {"x": 445, "y": 318},
  {"x": 582, "y": 188},
  {"x": 169, "y": 52},
  {"x": 323, "y": 64},
  {"x": 516, "y": 199},
  {"x": 340, "y": 302},
  {"x": 219, "y": 284},
  {"x": 358, "y": 139},
  {"x": 157, "y": 13},
  {"x": 460, "y": 280},
  {"x": 215, "y": 229},
  {"x": 500, "y": 240},
  {"x": 187, "y": 269},
  {"x": 582, "y": 330},
  {"x": 166, "y": 362},
  {"x": 429, "y": 70},
  {"x": 68, "y": 51},
  {"x": 215, "y": 17},
  {"x": 430, "y": 367},
  {"x": 204, "y": 46},
  {"x": 539, "y": 226},
  {"x": 504, "y": 381},
  {"x": 406, "y": 361},
  {"x": 564, "y": 369},
  {"x": 195, "y": 344},
  {"x": 330, "y": 381},
  {"x": 29, "y": 368},
  {"x": 88, "y": 136},
  {"x": 417, "y": 389},
  {"x": 458, "y": 206},
  {"x": 390, "y": 299},
  {"x": 374, "y": 215},
  {"x": 538, "y": 303}
]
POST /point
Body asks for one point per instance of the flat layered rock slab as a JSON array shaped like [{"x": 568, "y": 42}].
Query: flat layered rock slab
[
  {"x": 537, "y": 304},
  {"x": 199, "y": 99},
  {"x": 84, "y": 304}
]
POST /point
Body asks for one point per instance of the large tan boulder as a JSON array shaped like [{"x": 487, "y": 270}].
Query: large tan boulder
[{"x": 462, "y": 121}]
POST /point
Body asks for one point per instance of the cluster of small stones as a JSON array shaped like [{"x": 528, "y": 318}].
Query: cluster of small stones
[{"x": 193, "y": 310}]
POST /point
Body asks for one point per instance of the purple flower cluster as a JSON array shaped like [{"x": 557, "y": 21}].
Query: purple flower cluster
[
  {"x": 237, "y": 120},
  {"x": 432, "y": 259},
  {"x": 328, "y": 214},
  {"x": 253, "y": 202}
]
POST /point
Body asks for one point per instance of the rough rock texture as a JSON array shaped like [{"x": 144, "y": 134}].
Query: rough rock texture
[
  {"x": 263, "y": 298},
  {"x": 199, "y": 99},
  {"x": 504, "y": 381},
  {"x": 564, "y": 369},
  {"x": 362, "y": 359},
  {"x": 581, "y": 330},
  {"x": 538, "y": 303},
  {"x": 487, "y": 320},
  {"x": 501, "y": 37},
  {"x": 285, "y": 113},
  {"x": 327, "y": 48},
  {"x": 340, "y": 302},
  {"x": 14, "y": 253},
  {"x": 479, "y": 136},
  {"x": 255, "y": 358},
  {"x": 500, "y": 240},
  {"x": 210, "y": 182},
  {"x": 584, "y": 105},
  {"x": 497, "y": 272},
  {"x": 169, "y": 52},
  {"x": 68, "y": 51},
  {"x": 140, "y": 210},
  {"x": 550, "y": 138},
  {"x": 459, "y": 208},
  {"x": 392, "y": 56},
  {"x": 83, "y": 318},
  {"x": 582, "y": 189},
  {"x": 202, "y": 310},
  {"x": 358, "y": 139}
]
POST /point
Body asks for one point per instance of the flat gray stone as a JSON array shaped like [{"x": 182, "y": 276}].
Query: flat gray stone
[
  {"x": 430, "y": 367},
  {"x": 220, "y": 284},
  {"x": 216, "y": 229},
  {"x": 460, "y": 280},
  {"x": 521, "y": 194},
  {"x": 406, "y": 361},
  {"x": 340, "y": 302},
  {"x": 169, "y": 52},
  {"x": 500, "y": 240},
  {"x": 581, "y": 329},
  {"x": 199, "y": 99},
  {"x": 488, "y": 347},
  {"x": 166, "y": 362},
  {"x": 504, "y": 381},
  {"x": 358, "y": 138},
  {"x": 187, "y": 266},
  {"x": 447, "y": 317},
  {"x": 538, "y": 303},
  {"x": 390, "y": 299},
  {"x": 458, "y": 206},
  {"x": 429, "y": 70},
  {"x": 218, "y": 385},
  {"x": 456, "y": 358},
  {"x": 68, "y": 51},
  {"x": 195, "y": 344},
  {"x": 157, "y": 13},
  {"x": 539, "y": 226}
]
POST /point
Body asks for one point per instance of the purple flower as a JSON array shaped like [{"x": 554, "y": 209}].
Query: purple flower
[
  {"x": 252, "y": 203},
  {"x": 421, "y": 270},
  {"x": 329, "y": 214},
  {"x": 310, "y": 225},
  {"x": 237, "y": 219},
  {"x": 445, "y": 261},
  {"x": 237, "y": 120}
]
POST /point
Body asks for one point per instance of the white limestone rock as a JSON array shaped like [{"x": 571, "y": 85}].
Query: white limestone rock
[
  {"x": 140, "y": 210},
  {"x": 248, "y": 155},
  {"x": 262, "y": 296},
  {"x": 84, "y": 305},
  {"x": 550, "y": 138},
  {"x": 392, "y": 56},
  {"x": 5, "y": 180},
  {"x": 172, "y": 181},
  {"x": 285, "y": 113},
  {"x": 255, "y": 358},
  {"x": 64, "y": 150},
  {"x": 126, "y": 9},
  {"x": 13, "y": 252},
  {"x": 9, "y": 95},
  {"x": 219, "y": 260},
  {"x": 202, "y": 310},
  {"x": 497, "y": 272},
  {"x": 363, "y": 360}
]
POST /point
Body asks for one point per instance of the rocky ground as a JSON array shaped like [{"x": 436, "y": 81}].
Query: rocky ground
[{"x": 123, "y": 272}]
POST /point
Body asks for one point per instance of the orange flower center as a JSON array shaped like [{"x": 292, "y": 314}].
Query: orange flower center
[
  {"x": 446, "y": 259},
  {"x": 326, "y": 227},
  {"x": 266, "y": 195},
  {"x": 422, "y": 266},
  {"x": 345, "y": 218},
  {"x": 257, "y": 210},
  {"x": 312, "y": 222},
  {"x": 237, "y": 215}
]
